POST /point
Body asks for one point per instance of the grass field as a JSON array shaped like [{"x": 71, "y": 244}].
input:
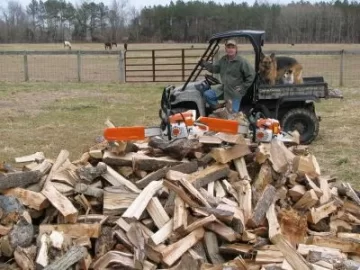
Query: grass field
[
  {"x": 105, "y": 68},
  {"x": 49, "y": 117}
]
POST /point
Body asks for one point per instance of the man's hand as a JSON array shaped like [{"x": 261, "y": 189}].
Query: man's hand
[{"x": 202, "y": 62}]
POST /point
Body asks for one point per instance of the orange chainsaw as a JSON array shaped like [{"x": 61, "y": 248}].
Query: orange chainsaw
[{"x": 182, "y": 125}]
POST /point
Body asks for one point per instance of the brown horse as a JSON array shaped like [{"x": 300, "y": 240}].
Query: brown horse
[{"x": 108, "y": 45}]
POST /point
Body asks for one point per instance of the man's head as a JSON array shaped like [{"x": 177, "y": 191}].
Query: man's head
[{"x": 230, "y": 47}]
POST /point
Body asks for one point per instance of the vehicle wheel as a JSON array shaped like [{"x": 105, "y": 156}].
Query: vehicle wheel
[{"x": 302, "y": 120}]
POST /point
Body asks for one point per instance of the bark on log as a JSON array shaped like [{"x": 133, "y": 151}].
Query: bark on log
[
  {"x": 19, "y": 179},
  {"x": 75, "y": 254}
]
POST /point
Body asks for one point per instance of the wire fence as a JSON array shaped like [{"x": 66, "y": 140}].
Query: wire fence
[{"x": 160, "y": 65}]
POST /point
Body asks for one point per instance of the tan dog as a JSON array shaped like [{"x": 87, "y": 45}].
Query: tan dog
[{"x": 272, "y": 69}]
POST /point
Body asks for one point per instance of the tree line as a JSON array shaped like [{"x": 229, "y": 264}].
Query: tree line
[{"x": 179, "y": 21}]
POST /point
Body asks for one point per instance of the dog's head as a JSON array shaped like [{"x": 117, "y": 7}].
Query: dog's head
[
  {"x": 267, "y": 62},
  {"x": 288, "y": 76}
]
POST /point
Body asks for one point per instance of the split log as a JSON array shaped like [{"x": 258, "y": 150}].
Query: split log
[
  {"x": 219, "y": 190},
  {"x": 224, "y": 156},
  {"x": 229, "y": 189},
  {"x": 157, "y": 212},
  {"x": 235, "y": 249},
  {"x": 205, "y": 139},
  {"x": 305, "y": 165},
  {"x": 163, "y": 233},
  {"x": 96, "y": 153},
  {"x": 269, "y": 256},
  {"x": 61, "y": 203},
  {"x": 174, "y": 251},
  {"x": 25, "y": 257},
  {"x": 117, "y": 200},
  {"x": 307, "y": 201},
  {"x": 89, "y": 190},
  {"x": 139, "y": 161},
  {"x": 237, "y": 223},
  {"x": 231, "y": 138},
  {"x": 324, "y": 186},
  {"x": 180, "y": 192},
  {"x": 313, "y": 186},
  {"x": 154, "y": 176},
  {"x": 42, "y": 259},
  {"x": 180, "y": 214},
  {"x": 244, "y": 196},
  {"x": 121, "y": 259},
  {"x": 240, "y": 166},
  {"x": 198, "y": 224},
  {"x": 211, "y": 188},
  {"x": 116, "y": 179},
  {"x": 326, "y": 253},
  {"x": 223, "y": 231},
  {"x": 212, "y": 248},
  {"x": 280, "y": 156},
  {"x": 275, "y": 236},
  {"x": 222, "y": 215},
  {"x": 139, "y": 204},
  {"x": 262, "y": 206},
  {"x": 38, "y": 157},
  {"x": 121, "y": 236},
  {"x": 297, "y": 192},
  {"x": 89, "y": 173},
  {"x": 34, "y": 200},
  {"x": 135, "y": 236},
  {"x": 194, "y": 192},
  {"x": 316, "y": 214},
  {"x": 208, "y": 175},
  {"x": 73, "y": 230},
  {"x": 19, "y": 179},
  {"x": 72, "y": 256},
  {"x": 345, "y": 245},
  {"x": 263, "y": 178}
]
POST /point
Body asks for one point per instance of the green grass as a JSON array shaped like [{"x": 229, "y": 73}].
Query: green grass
[{"x": 49, "y": 117}]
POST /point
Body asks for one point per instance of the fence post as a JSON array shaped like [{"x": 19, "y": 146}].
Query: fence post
[
  {"x": 121, "y": 67},
  {"x": 183, "y": 64},
  {"x": 341, "y": 79},
  {"x": 153, "y": 64},
  {"x": 79, "y": 66},
  {"x": 26, "y": 67}
]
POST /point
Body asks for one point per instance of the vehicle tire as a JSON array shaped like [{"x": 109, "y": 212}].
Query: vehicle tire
[
  {"x": 302, "y": 120},
  {"x": 263, "y": 109}
]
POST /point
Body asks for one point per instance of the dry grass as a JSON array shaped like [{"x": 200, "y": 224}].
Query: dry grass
[
  {"x": 104, "y": 68},
  {"x": 51, "y": 116}
]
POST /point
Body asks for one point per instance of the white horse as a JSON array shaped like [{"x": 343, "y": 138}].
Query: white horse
[{"x": 67, "y": 44}]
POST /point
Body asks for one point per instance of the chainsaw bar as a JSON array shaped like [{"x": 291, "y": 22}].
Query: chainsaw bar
[{"x": 136, "y": 133}]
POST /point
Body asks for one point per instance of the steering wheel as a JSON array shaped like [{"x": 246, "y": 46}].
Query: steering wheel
[{"x": 211, "y": 80}]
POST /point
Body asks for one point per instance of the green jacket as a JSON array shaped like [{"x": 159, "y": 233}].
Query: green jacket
[{"x": 236, "y": 75}]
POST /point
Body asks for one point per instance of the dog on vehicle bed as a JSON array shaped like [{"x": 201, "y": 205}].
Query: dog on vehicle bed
[
  {"x": 272, "y": 69},
  {"x": 288, "y": 77}
]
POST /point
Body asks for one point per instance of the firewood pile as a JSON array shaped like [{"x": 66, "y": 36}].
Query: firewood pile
[{"x": 213, "y": 202}]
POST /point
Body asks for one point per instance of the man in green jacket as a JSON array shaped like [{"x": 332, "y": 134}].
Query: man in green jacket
[{"x": 236, "y": 74}]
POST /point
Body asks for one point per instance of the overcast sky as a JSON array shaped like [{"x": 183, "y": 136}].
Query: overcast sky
[{"x": 141, "y": 3}]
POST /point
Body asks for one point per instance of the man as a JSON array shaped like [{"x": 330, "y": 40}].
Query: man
[{"x": 236, "y": 74}]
